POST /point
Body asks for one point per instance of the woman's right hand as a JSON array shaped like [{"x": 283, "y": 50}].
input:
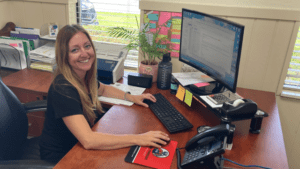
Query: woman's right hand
[{"x": 152, "y": 138}]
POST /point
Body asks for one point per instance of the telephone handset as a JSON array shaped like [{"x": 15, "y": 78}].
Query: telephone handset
[
  {"x": 208, "y": 136},
  {"x": 205, "y": 146}
]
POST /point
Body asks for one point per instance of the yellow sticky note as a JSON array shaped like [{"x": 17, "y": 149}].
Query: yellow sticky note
[
  {"x": 188, "y": 98},
  {"x": 180, "y": 92}
]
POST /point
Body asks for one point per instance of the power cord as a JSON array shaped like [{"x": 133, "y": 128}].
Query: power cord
[{"x": 244, "y": 165}]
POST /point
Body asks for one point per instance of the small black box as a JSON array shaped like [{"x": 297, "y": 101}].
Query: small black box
[{"x": 140, "y": 80}]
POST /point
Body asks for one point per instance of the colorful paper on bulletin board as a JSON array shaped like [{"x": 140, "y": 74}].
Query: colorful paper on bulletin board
[
  {"x": 174, "y": 36},
  {"x": 176, "y": 14},
  {"x": 176, "y": 21},
  {"x": 171, "y": 32},
  {"x": 176, "y": 46},
  {"x": 188, "y": 98},
  {"x": 175, "y": 54},
  {"x": 153, "y": 17},
  {"x": 164, "y": 17},
  {"x": 152, "y": 25},
  {"x": 164, "y": 31}
]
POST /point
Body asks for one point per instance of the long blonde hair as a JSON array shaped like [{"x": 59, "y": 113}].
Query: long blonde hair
[{"x": 64, "y": 68}]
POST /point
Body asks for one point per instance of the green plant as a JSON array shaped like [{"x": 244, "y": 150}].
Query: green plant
[{"x": 150, "y": 48}]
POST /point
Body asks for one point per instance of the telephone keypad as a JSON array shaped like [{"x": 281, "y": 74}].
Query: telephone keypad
[{"x": 200, "y": 153}]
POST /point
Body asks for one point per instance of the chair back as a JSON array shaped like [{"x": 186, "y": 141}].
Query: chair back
[{"x": 13, "y": 123}]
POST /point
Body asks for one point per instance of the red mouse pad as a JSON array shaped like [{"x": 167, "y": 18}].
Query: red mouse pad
[{"x": 152, "y": 157}]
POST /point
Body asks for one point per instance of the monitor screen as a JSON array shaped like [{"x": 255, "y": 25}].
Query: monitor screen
[{"x": 213, "y": 46}]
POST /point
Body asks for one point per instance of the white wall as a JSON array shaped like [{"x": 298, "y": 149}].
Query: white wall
[{"x": 37, "y": 13}]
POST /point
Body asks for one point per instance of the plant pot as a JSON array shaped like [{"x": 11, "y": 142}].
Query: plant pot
[{"x": 149, "y": 70}]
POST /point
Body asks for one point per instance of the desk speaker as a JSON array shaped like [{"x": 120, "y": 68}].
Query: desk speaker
[{"x": 140, "y": 80}]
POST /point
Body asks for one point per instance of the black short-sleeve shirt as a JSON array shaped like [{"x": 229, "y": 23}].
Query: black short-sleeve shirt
[{"x": 63, "y": 100}]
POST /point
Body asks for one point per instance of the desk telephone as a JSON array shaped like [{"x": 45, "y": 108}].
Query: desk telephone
[{"x": 205, "y": 147}]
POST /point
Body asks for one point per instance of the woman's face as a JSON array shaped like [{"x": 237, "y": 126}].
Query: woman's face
[{"x": 81, "y": 54}]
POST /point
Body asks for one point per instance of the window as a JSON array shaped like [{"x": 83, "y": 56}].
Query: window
[
  {"x": 292, "y": 81},
  {"x": 98, "y": 15}
]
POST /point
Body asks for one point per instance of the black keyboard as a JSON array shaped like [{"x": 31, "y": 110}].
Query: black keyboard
[{"x": 171, "y": 118}]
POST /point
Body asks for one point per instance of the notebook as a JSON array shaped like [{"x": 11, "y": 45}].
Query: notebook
[{"x": 152, "y": 157}]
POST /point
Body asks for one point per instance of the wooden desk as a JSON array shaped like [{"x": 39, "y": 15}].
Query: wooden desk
[{"x": 266, "y": 149}]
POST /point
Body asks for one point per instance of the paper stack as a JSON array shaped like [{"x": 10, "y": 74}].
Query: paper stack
[
  {"x": 14, "y": 52},
  {"x": 43, "y": 57}
]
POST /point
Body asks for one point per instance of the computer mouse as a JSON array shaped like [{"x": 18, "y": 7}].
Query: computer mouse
[
  {"x": 147, "y": 101},
  {"x": 167, "y": 141}
]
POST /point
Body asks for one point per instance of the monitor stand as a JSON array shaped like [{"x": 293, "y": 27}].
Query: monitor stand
[{"x": 212, "y": 88}]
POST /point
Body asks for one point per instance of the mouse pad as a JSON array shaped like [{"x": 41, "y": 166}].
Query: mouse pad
[{"x": 152, "y": 157}]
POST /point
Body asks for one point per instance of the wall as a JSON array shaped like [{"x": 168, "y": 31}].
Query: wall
[
  {"x": 37, "y": 13},
  {"x": 267, "y": 37}
]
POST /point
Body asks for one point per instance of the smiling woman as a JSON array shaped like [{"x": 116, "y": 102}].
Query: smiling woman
[
  {"x": 81, "y": 54},
  {"x": 72, "y": 102}
]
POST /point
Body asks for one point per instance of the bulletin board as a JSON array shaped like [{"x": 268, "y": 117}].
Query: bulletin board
[{"x": 171, "y": 31}]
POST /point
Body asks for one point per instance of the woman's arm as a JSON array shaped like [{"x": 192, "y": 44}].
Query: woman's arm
[
  {"x": 110, "y": 91},
  {"x": 79, "y": 127}
]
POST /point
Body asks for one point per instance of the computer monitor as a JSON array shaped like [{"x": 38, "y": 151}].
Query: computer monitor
[{"x": 212, "y": 45}]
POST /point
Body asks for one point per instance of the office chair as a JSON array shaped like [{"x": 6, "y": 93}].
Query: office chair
[{"x": 16, "y": 151}]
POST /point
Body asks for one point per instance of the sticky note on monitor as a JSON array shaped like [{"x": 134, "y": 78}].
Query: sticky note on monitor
[
  {"x": 188, "y": 98},
  {"x": 180, "y": 92},
  {"x": 201, "y": 84}
]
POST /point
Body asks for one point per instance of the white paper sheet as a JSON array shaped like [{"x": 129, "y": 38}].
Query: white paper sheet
[
  {"x": 126, "y": 88},
  {"x": 187, "y": 78}
]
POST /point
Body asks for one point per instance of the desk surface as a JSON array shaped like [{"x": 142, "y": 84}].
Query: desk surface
[{"x": 265, "y": 149}]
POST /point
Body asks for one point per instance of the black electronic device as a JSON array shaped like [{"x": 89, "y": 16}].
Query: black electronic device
[
  {"x": 170, "y": 117},
  {"x": 140, "y": 80},
  {"x": 239, "y": 109},
  {"x": 212, "y": 45},
  {"x": 203, "y": 148}
]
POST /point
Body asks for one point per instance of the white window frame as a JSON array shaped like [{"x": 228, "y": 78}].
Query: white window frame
[{"x": 131, "y": 61}]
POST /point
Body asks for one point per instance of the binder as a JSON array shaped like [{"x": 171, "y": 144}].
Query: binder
[{"x": 33, "y": 39}]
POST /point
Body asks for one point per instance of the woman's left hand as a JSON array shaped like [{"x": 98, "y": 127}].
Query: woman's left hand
[{"x": 138, "y": 99}]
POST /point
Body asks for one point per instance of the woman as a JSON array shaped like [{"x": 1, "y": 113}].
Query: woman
[{"x": 73, "y": 106}]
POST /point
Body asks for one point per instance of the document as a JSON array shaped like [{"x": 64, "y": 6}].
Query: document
[
  {"x": 211, "y": 104},
  {"x": 133, "y": 90},
  {"x": 12, "y": 54},
  {"x": 45, "y": 53},
  {"x": 188, "y": 78}
]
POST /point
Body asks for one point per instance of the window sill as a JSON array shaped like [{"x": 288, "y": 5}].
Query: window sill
[{"x": 290, "y": 94}]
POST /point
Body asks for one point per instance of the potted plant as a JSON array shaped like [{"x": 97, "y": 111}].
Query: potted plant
[{"x": 149, "y": 43}]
